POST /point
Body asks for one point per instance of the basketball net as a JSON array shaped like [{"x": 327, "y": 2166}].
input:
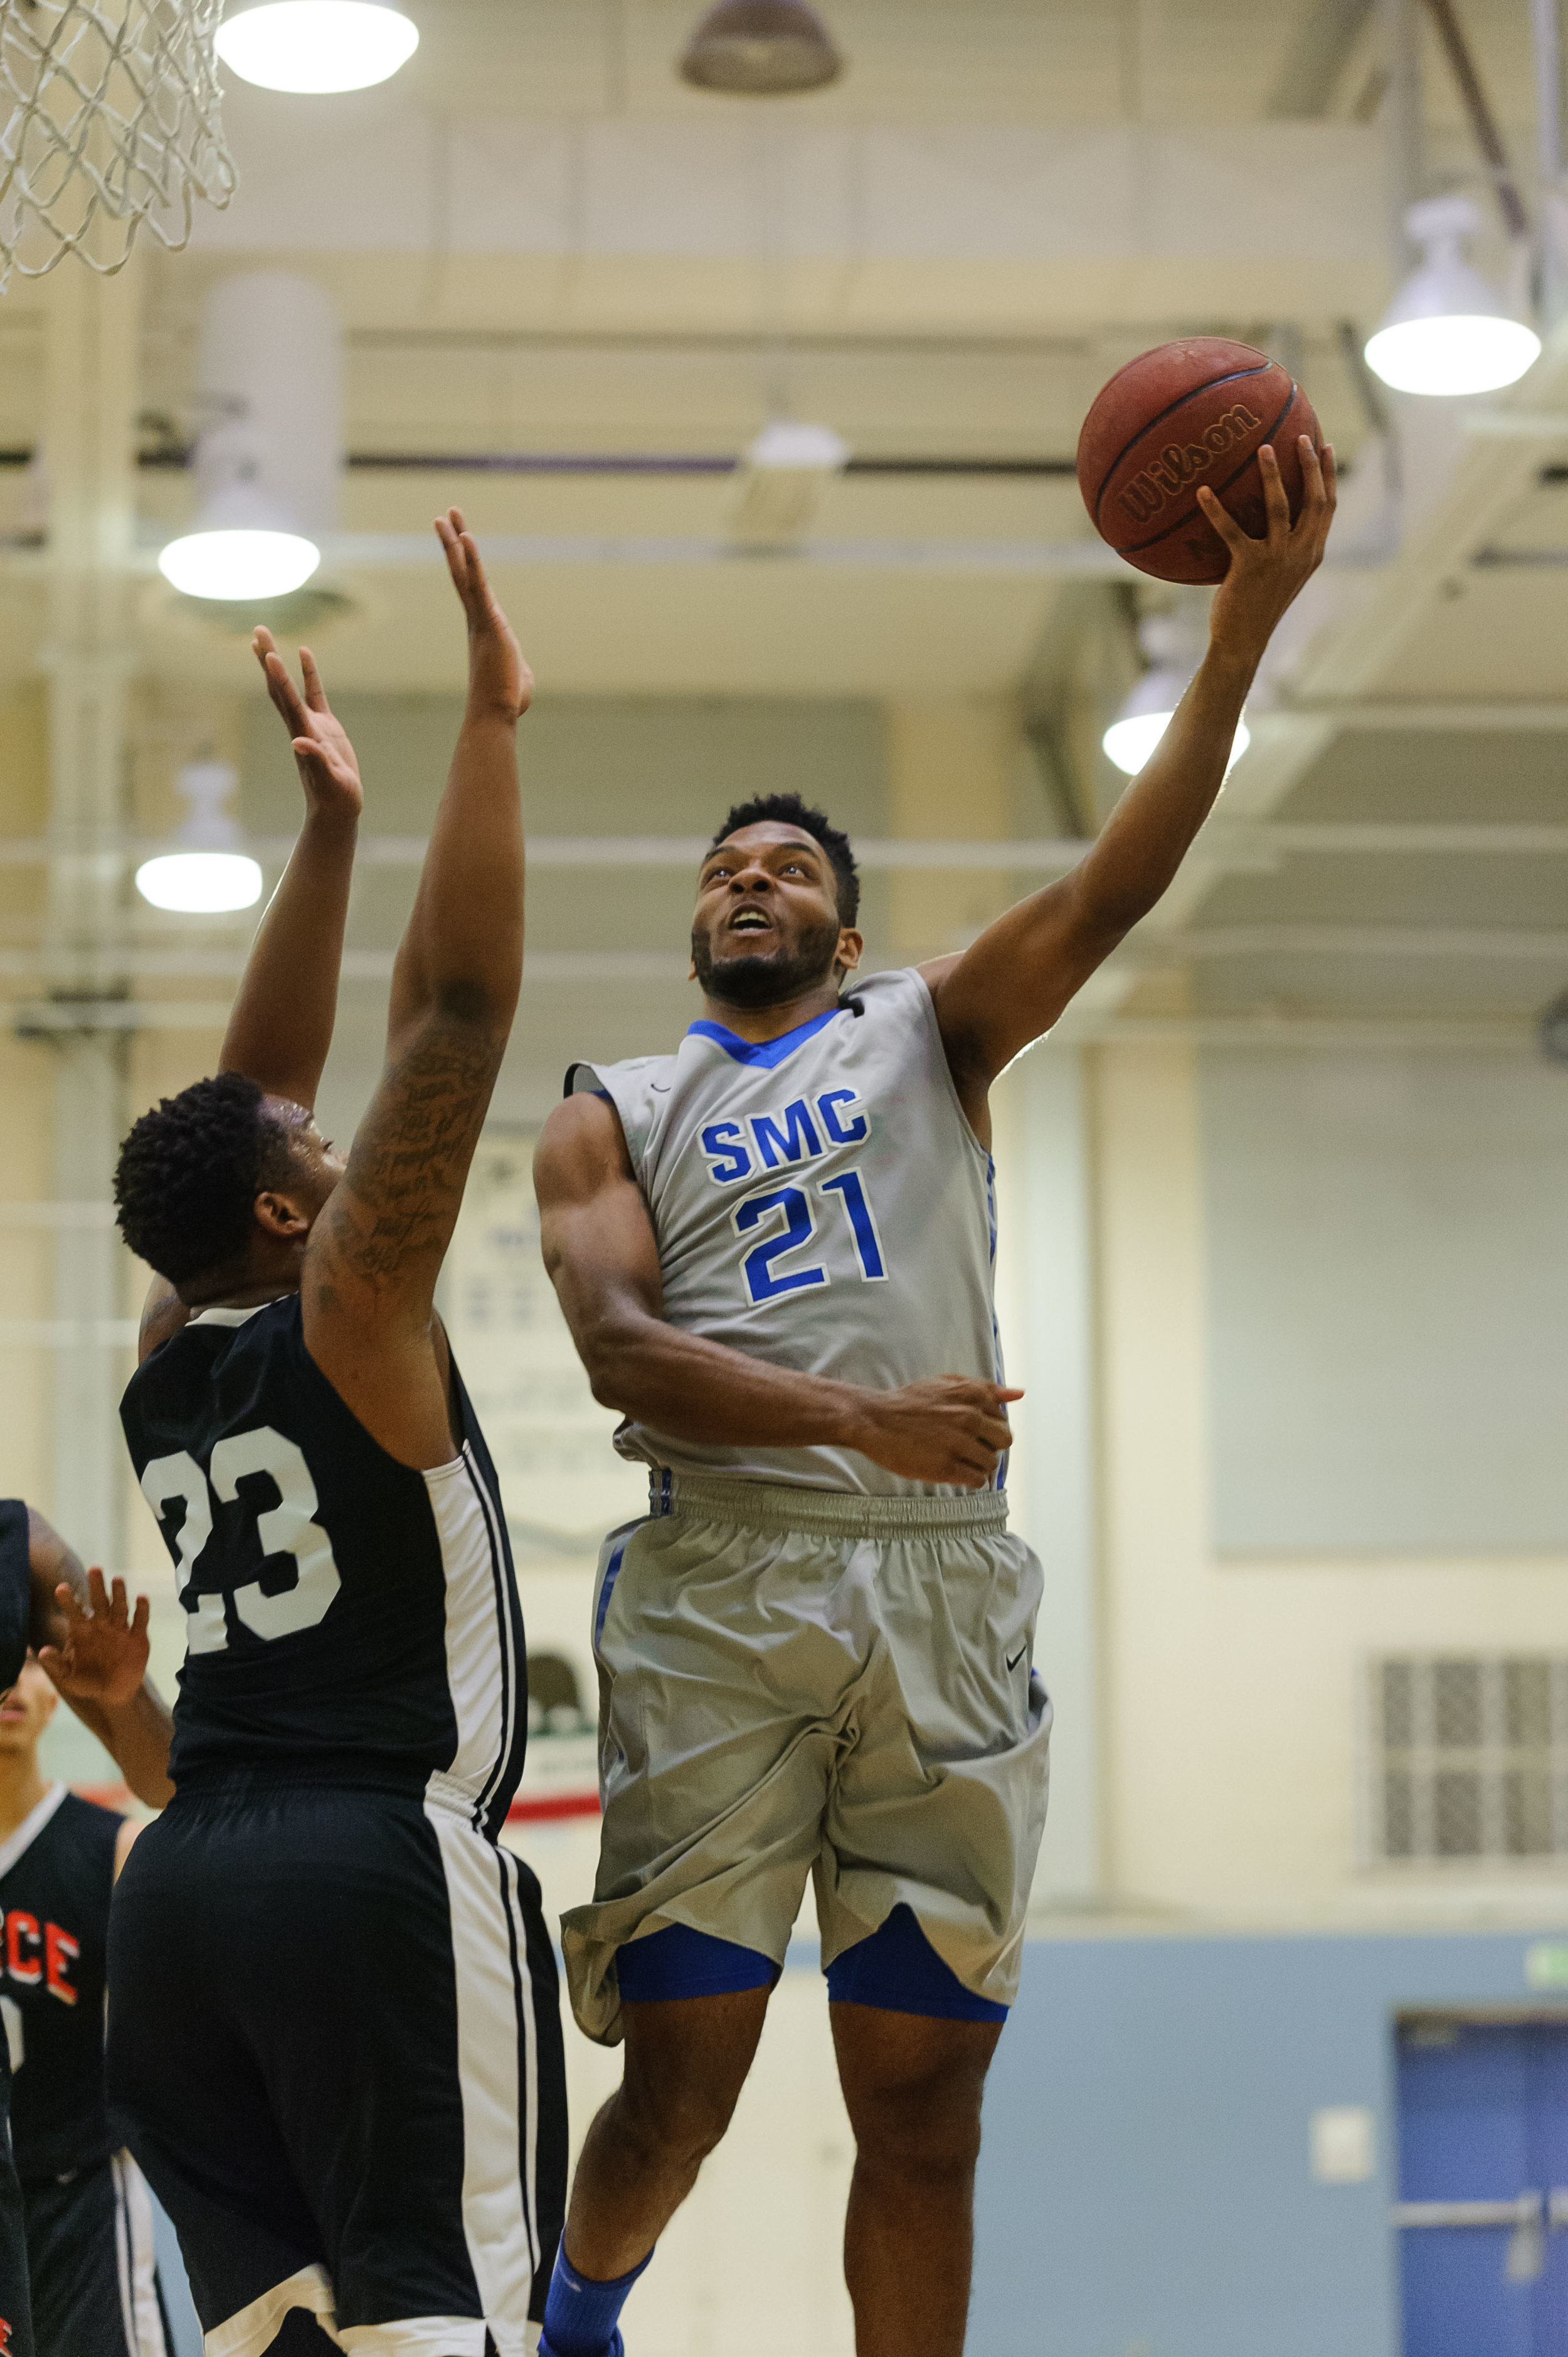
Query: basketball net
[{"x": 113, "y": 121}]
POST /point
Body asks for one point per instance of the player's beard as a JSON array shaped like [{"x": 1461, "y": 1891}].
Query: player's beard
[{"x": 771, "y": 977}]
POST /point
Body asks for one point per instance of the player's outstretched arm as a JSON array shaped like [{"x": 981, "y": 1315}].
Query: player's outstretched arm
[
  {"x": 1016, "y": 980},
  {"x": 95, "y": 1651},
  {"x": 374, "y": 1254},
  {"x": 280, "y": 1029},
  {"x": 603, "y": 1260}
]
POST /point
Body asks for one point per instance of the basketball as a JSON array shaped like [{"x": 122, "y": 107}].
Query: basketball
[{"x": 1186, "y": 414}]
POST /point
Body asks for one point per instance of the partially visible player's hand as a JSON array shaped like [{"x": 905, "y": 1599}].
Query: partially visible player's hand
[
  {"x": 101, "y": 1656},
  {"x": 952, "y": 1429},
  {"x": 1266, "y": 574},
  {"x": 498, "y": 679},
  {"x": 328, "y": 769}
]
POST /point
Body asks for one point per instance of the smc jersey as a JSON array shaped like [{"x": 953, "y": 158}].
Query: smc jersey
[
  {"x": 821, "y": 1201},
  {"x": 349, "y": 1620},
  {"x": 57, "y": 1877}
]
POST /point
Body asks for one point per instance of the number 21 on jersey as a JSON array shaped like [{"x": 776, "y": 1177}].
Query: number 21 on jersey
[
  {"x": 764, "y": 1282},
  {"x": 286, "y": 1528}
]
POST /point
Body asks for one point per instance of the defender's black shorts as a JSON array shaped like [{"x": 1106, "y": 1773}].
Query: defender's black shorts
[
  {"x": 90, "y": 2261},
  {"x": 334, "y": 2047},
  {"x": 16, "y": 2308}
]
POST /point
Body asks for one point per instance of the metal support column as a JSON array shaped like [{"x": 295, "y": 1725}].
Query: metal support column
[{"x": 90, "y": 409}]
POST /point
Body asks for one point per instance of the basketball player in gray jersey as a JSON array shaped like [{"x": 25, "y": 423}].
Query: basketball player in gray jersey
[{"x": 775, "y": 1250}]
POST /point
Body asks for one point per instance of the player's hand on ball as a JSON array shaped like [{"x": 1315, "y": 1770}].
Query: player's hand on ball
[
  {"x": 952, "y": 1429},
  {"x": 498, "y": 679},
  {"x": 102, "y": 1655},
  {"x": 328, "y": 769},
  {"x": 1265, "y": 574}
]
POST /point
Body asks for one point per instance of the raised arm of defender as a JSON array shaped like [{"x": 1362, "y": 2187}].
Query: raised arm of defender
[
  {"x": 1016, "y": 980},
  {"x": 94, "y": 1649},
  {"x": 280, "y": 1027},
  {"x": 603, "y": 1260},
  {"x": 369, "y": 1282}
]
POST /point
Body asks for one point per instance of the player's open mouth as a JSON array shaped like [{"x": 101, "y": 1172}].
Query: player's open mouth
[{"x": 751, "y": 920}]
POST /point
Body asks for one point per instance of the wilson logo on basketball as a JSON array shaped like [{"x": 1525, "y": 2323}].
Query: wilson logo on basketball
[{"x": 1169, "y": 475}]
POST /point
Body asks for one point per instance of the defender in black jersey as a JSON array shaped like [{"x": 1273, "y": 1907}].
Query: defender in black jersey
[
  {"x": 334, "y": 2030},
  {"x": 52, "y": 1920},
  {"x": 88, "y": 2221}
]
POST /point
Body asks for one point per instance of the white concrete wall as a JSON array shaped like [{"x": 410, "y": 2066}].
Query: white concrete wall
[{"x": 1230, "y": 1683}]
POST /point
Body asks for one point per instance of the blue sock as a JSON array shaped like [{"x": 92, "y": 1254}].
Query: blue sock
[{"x": 580, "y": 2314}]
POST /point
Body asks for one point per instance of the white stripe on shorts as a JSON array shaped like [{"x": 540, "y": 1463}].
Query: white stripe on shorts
[
  {"x": 424, "y": 2336},
  {"x": 136, "y": 2260},
  {"x": 251, "y": 2331},
  {"x": 496, "y": 2073}
]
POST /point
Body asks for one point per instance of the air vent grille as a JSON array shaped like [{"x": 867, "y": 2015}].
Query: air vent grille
[{"x": 1470, "y": 1757}]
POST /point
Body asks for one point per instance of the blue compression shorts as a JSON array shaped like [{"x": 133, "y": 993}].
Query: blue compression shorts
[{"x": 894, "y": 1969}]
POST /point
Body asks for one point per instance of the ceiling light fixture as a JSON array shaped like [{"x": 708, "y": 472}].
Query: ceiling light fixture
[
  {"x": 269, "y": 376},
  {"x": 761, "y": 48},
  {"x": 780, "y": 480},
  {"x": 208, "y": 874},
  {"x": 1448, "y": 331},
  {"x": 1147, "y": 711},
  {"x": 315, "y": 47},
  {"x": 259, "y": 562}
]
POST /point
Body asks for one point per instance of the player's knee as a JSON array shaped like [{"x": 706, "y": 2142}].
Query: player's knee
[
  {"x": 923, "y": 2130},
  {"x": 675, "y": 2117}
]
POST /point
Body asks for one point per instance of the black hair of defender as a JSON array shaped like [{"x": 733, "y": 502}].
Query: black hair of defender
[
  {"x": 189, "y": 1172},
  {"x": 789, "y": 810}
]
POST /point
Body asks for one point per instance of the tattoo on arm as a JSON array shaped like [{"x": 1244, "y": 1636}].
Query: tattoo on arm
[{"x": 410, "y": 1160}]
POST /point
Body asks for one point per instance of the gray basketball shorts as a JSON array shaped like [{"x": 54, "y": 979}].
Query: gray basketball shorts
[{"x": 798, "y": 1682}]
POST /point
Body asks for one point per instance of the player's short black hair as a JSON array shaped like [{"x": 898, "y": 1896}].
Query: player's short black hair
[
  {"x": 789, "y": 810},
  {"x": 190, "y": 1170}
]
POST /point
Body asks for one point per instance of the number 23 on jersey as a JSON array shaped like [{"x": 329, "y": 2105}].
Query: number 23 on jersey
[{"x": 285, "y": 1528}]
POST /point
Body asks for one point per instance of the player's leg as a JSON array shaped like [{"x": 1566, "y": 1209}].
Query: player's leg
[
  {"x": 912, "y": 2085},
  {"x": 186, "y": 2092},
  {"x": 719, "y": 1686},
  {"x": 408, "y": 2023},
  {"x": 931, "y": 1833},
  {"x": 686, "y": 2061}
]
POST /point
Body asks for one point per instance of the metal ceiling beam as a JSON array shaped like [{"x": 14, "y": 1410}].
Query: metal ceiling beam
[
  {"x": 1317, "y": 57},
  {"x": 1224, "y": 838}
]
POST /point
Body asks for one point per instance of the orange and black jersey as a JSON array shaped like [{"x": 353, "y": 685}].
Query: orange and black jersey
[{"x": 57, "y": 1877}]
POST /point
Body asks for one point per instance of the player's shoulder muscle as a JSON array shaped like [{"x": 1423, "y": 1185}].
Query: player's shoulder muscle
[{"x": 582, "y": 1151}]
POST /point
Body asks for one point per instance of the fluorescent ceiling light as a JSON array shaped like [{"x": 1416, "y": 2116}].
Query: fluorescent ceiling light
[
  {"x": 1448, "y": 331},
  {"x": 235, "y": 564},
  {"x": 317, "y": 45},
  {"x": 206, "y": 873},
  {"x": 1130, "y": 741},
  {"x": 200, "y": 883},
  {"x": 1470, "y": 352}
]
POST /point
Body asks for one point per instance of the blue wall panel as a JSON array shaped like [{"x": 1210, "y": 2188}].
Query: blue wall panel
[{"x": 1144, "y": 2186}]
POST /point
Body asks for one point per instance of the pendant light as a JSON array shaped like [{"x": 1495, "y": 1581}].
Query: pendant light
[
  {"x": 761, "y": 48},
  {"x": 270, "y": 378},
  {"x": 206, "y": 874},
  {"x": 1448, "y": 331},
  {"x": 315, "y": 47}
]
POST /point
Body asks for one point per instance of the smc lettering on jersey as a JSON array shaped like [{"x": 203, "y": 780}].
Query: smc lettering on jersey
[
  {"x": 286, "y": 1527},
  {"x": 38, "y": 1955},
  {"x": 802, "y": 1132}
]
